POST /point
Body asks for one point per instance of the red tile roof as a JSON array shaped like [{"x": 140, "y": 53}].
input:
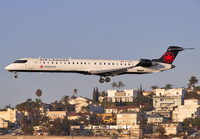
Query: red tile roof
[
  {"x": 122, "y": 107},
  {"x": 78, "y": 114}
]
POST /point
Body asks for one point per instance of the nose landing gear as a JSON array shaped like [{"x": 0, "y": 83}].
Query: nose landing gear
[{"x": 16, "y": 76}]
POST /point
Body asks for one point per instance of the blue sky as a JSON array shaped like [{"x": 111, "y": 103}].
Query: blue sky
[{"x": 114, "y": 29}]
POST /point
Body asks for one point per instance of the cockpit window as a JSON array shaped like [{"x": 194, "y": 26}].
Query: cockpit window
[{"x": 20, "y": 61}]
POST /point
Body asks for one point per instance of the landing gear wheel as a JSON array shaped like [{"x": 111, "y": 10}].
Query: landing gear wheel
[
  {"x": 107, "y": 79},
  {"x": 15, "y": 76},
  {"x": 101, "y": 80}
]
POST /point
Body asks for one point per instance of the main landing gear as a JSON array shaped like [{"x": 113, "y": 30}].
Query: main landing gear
[
  {"x": 101, "y": 80},
  {"x": 16, "y": 75}
]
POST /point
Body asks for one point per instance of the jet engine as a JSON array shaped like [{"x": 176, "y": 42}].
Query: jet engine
[{"x": 146, "y": 63}]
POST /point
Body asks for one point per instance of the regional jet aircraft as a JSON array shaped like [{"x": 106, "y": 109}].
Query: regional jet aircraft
[{"x": 102, "y": 68}]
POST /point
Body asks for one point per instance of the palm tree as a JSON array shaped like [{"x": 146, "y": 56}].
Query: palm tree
[
  {"x": 64, "y": 100},
  {"x": 114, "y": 84},
  {"x": 38, "y": 93},
  {"x": 193, "y": 80},
  {"x": 120, "y": 84}
]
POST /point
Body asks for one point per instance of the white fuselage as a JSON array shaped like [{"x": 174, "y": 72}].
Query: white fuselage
[{"x": 84, "y": 66}]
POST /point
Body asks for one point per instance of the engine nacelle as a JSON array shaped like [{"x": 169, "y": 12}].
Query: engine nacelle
[{"x": 146, "y": 63}]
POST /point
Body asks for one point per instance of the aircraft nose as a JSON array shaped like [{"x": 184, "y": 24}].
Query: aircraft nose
[{"x": 8, "y": 67}]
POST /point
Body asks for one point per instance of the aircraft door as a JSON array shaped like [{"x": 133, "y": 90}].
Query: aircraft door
[{"x": 30, "y": 64}]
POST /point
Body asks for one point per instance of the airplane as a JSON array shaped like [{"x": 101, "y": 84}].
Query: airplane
[{"x": 102, "y": 68}]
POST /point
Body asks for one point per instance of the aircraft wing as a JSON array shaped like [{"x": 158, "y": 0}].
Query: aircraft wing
[{"x": 110, "y": 72}]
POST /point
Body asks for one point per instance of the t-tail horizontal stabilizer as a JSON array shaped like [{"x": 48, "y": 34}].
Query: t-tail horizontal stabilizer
[{"x": 170, "y": 55}]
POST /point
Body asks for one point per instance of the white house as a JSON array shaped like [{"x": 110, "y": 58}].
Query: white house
[
  {"x": 167, "y": 99},
  {"x": 190, "y": 109},
  {"x": 126, "y": 95}
]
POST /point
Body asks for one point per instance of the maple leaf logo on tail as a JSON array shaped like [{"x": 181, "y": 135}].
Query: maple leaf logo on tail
[{"x": 168, "y": 57}]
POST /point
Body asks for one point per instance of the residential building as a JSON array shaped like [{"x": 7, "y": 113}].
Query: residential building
[
  {"x": 190, "y": 109},
  {"x": 167, "y": 99},
  {"x": 75, "y": 116},
  {"x": 44, "y": 107},
  {"x": 119, "y": 109},
  {"x": 79, "y": 100},
  {"x": 127, "y": 95},
  {"x": 88, "y": 107},
  {"x": 4, "y": 123},
  {"x": 146, "y": 93},
  {"x": 56, "y": 114},
  {"x": 155, "y": 119},
  {"x": 165, "y": 113},
  {"x": 11, "y": 115},
  {"x": 131, "y": 119},
  {"x": 171, "y": 127}
]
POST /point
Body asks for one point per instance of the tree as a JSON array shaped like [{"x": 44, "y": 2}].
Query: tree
[
  {"x": 97, "y": 95},
  {"x": 75, "y": 92},
  {"x": 192, "y": 81},
  {"x": 160, "y": 130},
  {"x": 114, "y": 84},
  {"x": 120, "y": 84},
  {"x": 38, "y": 93},
  {"x": 94, "y": 95},
  {"x": 154, "y": 87},
  {"x": 168, "y": 86}
]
